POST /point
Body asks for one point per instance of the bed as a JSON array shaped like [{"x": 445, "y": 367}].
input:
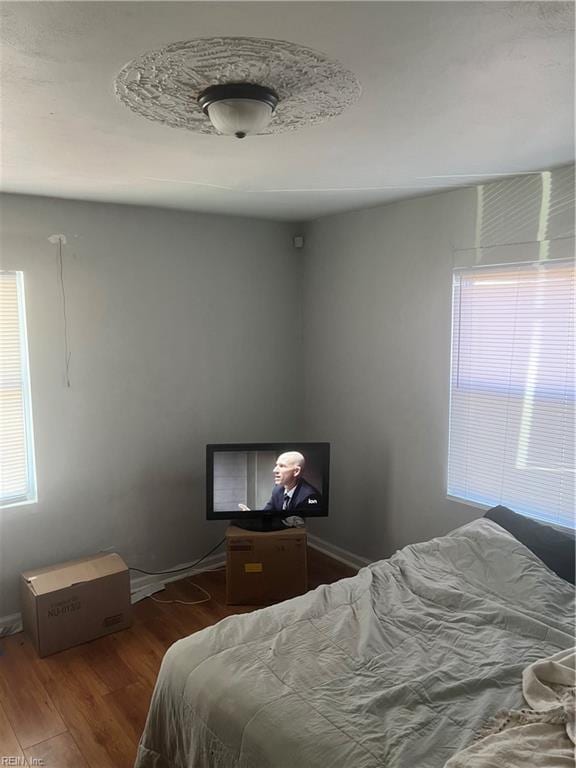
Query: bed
[{"x": 397, "y": 667}]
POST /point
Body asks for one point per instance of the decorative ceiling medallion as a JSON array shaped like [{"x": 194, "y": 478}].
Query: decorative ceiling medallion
[{"x": 164, "y": 85}]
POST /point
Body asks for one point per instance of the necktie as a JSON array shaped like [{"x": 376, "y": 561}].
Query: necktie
[{"x": 286, "y": 501}]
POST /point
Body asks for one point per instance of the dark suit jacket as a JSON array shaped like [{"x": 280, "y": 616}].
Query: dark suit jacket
[{"x": 305, "y": 498}]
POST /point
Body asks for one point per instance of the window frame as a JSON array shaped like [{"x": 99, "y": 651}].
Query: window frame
[
  {"x": 31, "y": 496},
  {"x": 544, "y": 518}
]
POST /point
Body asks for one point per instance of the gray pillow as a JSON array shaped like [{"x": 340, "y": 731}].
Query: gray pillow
[{"x": 553, "y": 547}]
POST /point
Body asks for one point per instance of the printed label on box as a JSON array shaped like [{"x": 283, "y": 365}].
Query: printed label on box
[
  {"x": 63, "y": 606},
  {"x": 253, "y": 568}
]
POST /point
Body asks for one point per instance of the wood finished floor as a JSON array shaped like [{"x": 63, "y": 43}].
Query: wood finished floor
[{"x": 86, "y": 707}]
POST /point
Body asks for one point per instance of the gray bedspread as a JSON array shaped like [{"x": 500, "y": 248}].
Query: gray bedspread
[{"x": 397, "y": 667}]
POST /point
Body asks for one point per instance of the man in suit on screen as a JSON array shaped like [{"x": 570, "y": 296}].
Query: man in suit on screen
[{"x": 292, "y": 493}]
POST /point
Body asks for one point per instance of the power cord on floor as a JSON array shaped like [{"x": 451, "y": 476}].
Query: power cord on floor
[
  {"x": 196, "y": 602},
  {"x": 185, "y": 602}
]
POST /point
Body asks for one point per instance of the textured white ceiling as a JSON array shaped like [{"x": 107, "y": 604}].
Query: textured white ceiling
[
  {"x": 466, "y": 89},
  {"x": 164, "y": 85}
]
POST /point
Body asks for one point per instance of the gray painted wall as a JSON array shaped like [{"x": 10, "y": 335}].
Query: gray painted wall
[
  {"x": 377, "y": 322},
  {"x": 180, "y": 326}
]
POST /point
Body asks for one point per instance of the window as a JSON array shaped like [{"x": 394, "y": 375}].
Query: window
[
  {"x": 17, "y": 473},
  {"x": 512, "y": 389}
]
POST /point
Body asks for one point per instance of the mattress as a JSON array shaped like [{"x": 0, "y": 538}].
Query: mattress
[{"x": 397, "y": 667}]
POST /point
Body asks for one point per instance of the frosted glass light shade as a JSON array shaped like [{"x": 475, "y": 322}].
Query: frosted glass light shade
[
  {"x": 239, "y": 117},
  {"x": 237, "y": 109}
]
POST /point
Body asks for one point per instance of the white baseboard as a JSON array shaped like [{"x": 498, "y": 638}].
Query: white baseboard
[
  {"x": 342, "y": 555},
  {"x": 9, "y": 625}
]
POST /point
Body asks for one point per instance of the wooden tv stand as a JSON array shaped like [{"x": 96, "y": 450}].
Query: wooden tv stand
[{"x": 265, "y": 567}]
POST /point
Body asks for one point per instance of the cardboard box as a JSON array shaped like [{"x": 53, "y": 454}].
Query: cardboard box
[
  {"x": 70, "y": 603},
  {"x": 266, "y": 567}
]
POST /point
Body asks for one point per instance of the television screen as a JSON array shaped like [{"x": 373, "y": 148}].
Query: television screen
[{"x": 267, "y": 480}]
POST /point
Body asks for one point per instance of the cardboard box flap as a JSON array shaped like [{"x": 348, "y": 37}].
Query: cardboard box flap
[{"x": 46, "y": 580}]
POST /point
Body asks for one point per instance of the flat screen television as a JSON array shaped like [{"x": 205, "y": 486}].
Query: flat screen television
[{"x": 258, "y": 485}]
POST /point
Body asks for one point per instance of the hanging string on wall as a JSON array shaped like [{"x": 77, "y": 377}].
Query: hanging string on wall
[{"x": 59, "y": 241}]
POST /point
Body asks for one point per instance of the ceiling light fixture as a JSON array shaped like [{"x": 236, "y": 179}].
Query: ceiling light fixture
[
  {"x": 236, "y": 86},
  {"x": 238, "y": 109}
]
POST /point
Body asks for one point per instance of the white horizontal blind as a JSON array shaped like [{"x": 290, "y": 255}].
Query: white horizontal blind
[
  {"x": 512, "y": 389},
  {"x": 17, "y": 476},
  {"x": 230, "y": 480}
]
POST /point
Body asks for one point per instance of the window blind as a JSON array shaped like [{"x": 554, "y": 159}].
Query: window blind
[
  {"x": 230, "y": 480},
  {"x": 17, "y": 476},
  {"x": 512, "y": 389}
]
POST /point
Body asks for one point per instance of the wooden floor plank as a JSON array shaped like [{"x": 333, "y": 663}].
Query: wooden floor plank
[
  {"x": 140, "y": 651},
  {"x": 24, "y": 698},
  {"x": 10, "y": 749},
  {"x": 103, "y": 659},
  {"x": 86, "y": 707},
  {"x": 72, "y": 665},
  {"x": 323, "y": 569},
  {"x": 93, "y": 725},
  {"x": 131, "y": 707},
  {"x": 58, "y": 752}
]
